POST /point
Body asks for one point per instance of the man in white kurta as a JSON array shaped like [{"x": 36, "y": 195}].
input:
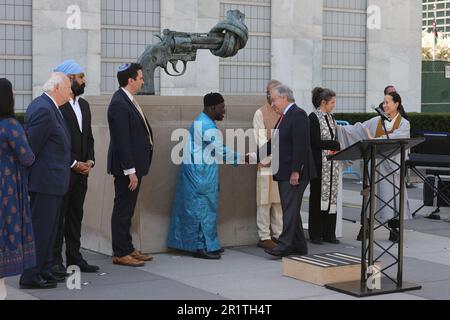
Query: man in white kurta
[{"x": 269, "y": 215}]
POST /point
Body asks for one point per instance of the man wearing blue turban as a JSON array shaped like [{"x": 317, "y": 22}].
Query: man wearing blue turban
[{"x": 77, "y": 115}]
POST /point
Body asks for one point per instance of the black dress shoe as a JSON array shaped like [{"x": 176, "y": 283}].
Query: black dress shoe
[
  {"x": 51, "y": 277},
  {"x": 206, "y": 255},
  {"x": 332, "y": 240},
  {"x": 84, "y": 266},
  {"x": 393, "y": 223},
  {"x": 59, "y": 270},
  {"x": 88, "y": 268},
  {"x": 394, "y": 235},
  {"x": 299, "y": 253},
  {"x": 316, "y": 241},
  {"x": 221, "y": 250},
  {"x": 39, "y": 283},
  {"x": 276, "y": 253}
]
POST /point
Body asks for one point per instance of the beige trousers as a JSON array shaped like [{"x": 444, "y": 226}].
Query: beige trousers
[{"x": 269, "y": 215}]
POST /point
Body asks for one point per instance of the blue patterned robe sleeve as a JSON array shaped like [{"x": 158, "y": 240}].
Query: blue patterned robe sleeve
[{"x": 18, "y": 142}]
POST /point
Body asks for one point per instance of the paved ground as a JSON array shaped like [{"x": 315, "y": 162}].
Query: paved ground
[{"x": 248, "y": 273}]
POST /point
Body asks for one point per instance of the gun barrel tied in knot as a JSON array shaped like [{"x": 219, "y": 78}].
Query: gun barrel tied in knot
[{"x": 224, "y": 40}]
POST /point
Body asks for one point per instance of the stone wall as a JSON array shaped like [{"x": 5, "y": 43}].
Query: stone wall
[
  {"x": 297, "y": 30},
  {"x": 394, "y": 52},
  {"x": 54, "y": 42},
  {"x": 201, "y": 75},
  {"x": 237, "y": 209}
]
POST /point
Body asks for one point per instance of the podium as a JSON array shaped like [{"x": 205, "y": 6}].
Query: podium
[{"x": 375, "y": 280}]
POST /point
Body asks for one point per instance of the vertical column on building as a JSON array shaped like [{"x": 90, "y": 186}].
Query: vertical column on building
[
  {"x": 57, "y": 36},
  {"x": 394, "y": 52},
  {"x": 248, "y": 72},
  {"x": 127, "y": 28},
  {"x": 16, "y": 49},
  {"x": 197, "y": 16},
  {"x": 344, "y": 52},
  {"x": 297, "y": 45}
]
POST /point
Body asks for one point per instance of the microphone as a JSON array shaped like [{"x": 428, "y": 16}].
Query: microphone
[{"x": 381, "y": 113}]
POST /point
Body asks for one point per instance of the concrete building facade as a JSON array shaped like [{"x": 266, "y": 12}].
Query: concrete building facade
[{"x": 355, "y": 47}]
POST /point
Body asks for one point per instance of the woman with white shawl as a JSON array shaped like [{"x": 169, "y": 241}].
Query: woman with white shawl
[{"x": 397, "y": 128}]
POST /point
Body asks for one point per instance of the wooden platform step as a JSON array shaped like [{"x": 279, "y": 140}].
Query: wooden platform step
[{"x": 323, "y": 268}]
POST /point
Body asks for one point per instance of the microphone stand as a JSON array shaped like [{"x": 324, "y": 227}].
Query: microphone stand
[
  {"x": 384, "y": 117},
  {"x": 384, "y": 127}
]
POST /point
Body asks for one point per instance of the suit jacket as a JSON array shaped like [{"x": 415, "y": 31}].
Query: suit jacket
[
  {"x": 293, "y": 146},
  {"x": 129, "y": 145},
  {"x": 82, "y": 142},
  {"x": 50, "y": 141}
]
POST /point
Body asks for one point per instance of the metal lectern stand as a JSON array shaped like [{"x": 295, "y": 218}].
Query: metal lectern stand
[{"x": 378, "y": 151}]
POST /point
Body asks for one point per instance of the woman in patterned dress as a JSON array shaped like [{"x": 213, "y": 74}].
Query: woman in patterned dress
[
  {"x": 17, "y": 251},
  {"x": 324, "y": 188}
]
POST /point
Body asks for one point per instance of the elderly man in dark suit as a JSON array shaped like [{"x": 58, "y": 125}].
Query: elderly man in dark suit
[
  {"x": 49, "y": 175},
  {"x": 77, "y": 115},
  {"x": 292, "y": 164},
  {"x": 129, "y": 157}
]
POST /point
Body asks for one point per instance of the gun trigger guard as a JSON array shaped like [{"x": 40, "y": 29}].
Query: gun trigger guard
[
  {"x": 174, "y": 66},
  {"x": 171, "y": 74},
  {"x": 184, "y": 68}
]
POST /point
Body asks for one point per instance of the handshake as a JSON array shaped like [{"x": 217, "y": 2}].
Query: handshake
[
  {"x": 250, "y": 158},
  {"x": 83, "y": 167},
  {"x": 247, "y": 158}
]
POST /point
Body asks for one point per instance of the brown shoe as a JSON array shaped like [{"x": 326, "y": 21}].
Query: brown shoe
[
  {"x": 267, "y": 244},
  {"x": 128, "y": 261},
  {"x": 141, "y": 257}
]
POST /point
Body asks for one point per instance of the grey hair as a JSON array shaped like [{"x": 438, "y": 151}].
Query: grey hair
[
  {"x": 273, "y": 84},
  {"x": 285, "y": 91},
  {"x": 55, "y": 79}
]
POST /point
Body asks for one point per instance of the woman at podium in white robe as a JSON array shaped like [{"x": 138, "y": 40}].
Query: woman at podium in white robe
[{"x": 397, "y": 128}]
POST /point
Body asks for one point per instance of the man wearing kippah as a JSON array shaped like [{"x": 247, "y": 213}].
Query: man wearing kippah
[
  {"x": 193, "y": 224},
  {"x": 129, "y": 157},
  {"x": 77, "y": 115}
]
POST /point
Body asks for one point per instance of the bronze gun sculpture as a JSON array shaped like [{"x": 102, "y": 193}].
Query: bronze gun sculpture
[{"x": 224, "y": 40}]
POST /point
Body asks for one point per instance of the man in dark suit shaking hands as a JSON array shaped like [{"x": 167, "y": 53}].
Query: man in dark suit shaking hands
[
  {"x": 291, "y": 158},
  {"x": 129, "y": 157},
  {"x": 48, "y": 177},
  {"x": 77, "y": 115}
]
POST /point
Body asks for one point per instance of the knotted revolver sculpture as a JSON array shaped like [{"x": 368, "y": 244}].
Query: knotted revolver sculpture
[{"x": 224, "y": 40}]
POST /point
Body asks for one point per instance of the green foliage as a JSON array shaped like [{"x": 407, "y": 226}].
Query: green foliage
[
  {"x": 20, "y": 117},
  {"x": 437, "y": 122}
]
